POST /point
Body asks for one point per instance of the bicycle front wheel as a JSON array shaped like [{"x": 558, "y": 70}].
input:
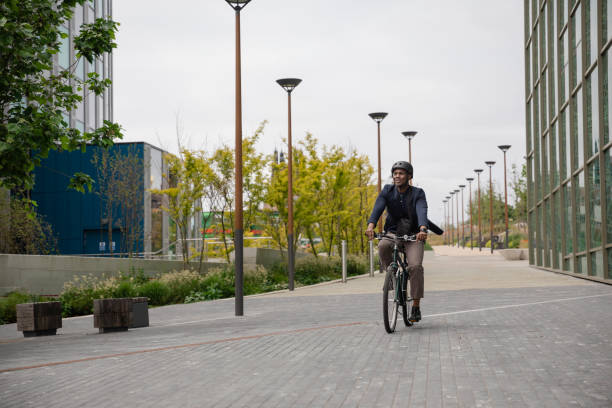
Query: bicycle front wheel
[
  {"x": 408, "y": 301},
  {"x": 390, "y": 306}
]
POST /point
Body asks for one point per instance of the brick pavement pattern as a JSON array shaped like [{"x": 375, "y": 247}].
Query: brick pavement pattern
[{"x": 533, "y": 346}]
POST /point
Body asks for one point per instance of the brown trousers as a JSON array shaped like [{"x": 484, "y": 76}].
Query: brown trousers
[{"x": 414, "y": 258}]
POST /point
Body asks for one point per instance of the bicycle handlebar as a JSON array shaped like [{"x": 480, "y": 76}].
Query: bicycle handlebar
[{"x": 406, "y": 238}]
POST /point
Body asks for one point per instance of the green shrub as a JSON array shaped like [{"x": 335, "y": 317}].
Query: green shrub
[
  {"x": 428, "y": 247},
  {"x": 8, "y": 305},
  {"x": 181, "y": 284},
  {"x": 157, "y": 292},
  {"x": 125, "y": 289}
]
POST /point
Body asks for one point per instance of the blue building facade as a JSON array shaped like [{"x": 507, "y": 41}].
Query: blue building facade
[{"x": 80, "y": 221}]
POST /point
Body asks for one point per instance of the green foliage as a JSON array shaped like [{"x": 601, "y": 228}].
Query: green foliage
[
  {"x": 8, "y": 305},
  {"x": 428, "y": 247},
  {"x": 33, "y": 101},
  {"x": 23, "y": 230},
  {"x": 157, "y": 292},
  {"x": 514, "y": 240}
]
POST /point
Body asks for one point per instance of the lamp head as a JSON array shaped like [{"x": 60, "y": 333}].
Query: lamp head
[
  {"x": 237, "y": 4},
  {"x": 289, "y": 84},
  {"x": 462, "y": 185},
  {"x": 470, "y": 179},
  {"x": 378, "y": 116},
  {"x": 409, "y": 135},
  {"x": 504, "y": 148},
  {"x": 489, "y": 163},
  {"x": 447, "y": 197},
  {"x": 478, "y": 171}
]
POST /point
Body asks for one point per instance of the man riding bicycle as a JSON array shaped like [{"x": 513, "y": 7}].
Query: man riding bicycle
[{"x": 406, "y": 207}]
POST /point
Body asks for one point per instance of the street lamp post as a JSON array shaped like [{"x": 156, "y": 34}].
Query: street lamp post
[
  {"x": 478, "y": 171},
  {"x": 505, "y": 148},
  {"x": 462, "y": 186},
  {"x": 238, "y": 5},
  {"x": 378, "y": 117},
  {"x": 457, "y": 208},
  {"x": 448, "y": 217},
  {"x": 490, "y": 164},
  {"x": 445, "y": 225},
  {"x": 289, "y": 84},
  {"x": 452, "y": 212},
  {"x": 409, "y": 135},
  {"x": 470, "y": 179}
]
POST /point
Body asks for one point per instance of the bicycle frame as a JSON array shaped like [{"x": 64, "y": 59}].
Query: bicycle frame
[{"x": 399, "y": 262}]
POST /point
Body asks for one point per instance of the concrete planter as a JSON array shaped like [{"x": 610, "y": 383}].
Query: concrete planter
[
  {"x": 39, "y": 319},
  {"x": 140, "y": 312},
  {"x": 511, "y": 254}
]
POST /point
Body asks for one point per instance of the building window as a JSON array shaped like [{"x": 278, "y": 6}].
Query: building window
[
  {"x": 592, "y": 114},
  {"x": 576, "y": 50},
  {"x": 544, "y": 165},
  {"x": 543, "y": 104},
  {"x": 580, "y": 212},
  {"x": 529, "y": 137},
  {"x": 590, "y": 13},
  {"x": 63, "y": 58},
  {"x": 597, "y": 264},
  {"x": 581, "y": 264},
  {"x": 554, "y": 154},
  {"x": 595, "y": 203},
  {"x": 607, "y": 32},
  {"x": 606, "y": 68},
  {"x": 528, "y": 68},
  {"x": 578, "y": 131},
  {"x": 608, "y": 160},
  {"x": 543, "y": 34},
  {"x": 558, "y": 255},
  {"x": 564, "y": 145},
  {"x": 564, "y": 76},
  {"x": 567, "y": 212}
]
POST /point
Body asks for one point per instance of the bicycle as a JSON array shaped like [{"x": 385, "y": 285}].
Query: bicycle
[{"x": 397, "y": 276}]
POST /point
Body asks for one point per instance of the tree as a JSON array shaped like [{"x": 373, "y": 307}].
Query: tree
[
  {"x": 519, "y": 186},
  {"x": 33, "y": 99},
  {"x": 23, "y": 230}
]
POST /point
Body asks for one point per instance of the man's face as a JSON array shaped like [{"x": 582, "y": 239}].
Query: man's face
[{"x": 400, "y": 177}]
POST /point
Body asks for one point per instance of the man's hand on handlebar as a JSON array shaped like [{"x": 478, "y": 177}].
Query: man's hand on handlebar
[
  {"x": 370, "y": 231},
  {"x": 421, "y": 236}
]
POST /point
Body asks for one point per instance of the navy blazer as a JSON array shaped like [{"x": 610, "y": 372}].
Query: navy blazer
[{"x": 397, "y": 207}]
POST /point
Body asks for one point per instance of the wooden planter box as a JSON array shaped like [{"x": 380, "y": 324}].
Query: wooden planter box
[
  {"x": 113, "y": 314},
  {"x": 140, "y": 312},
  {"x": 39, "y": 319}
]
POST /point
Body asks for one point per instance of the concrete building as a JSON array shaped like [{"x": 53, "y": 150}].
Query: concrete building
[{"x": 569, "y": 149}]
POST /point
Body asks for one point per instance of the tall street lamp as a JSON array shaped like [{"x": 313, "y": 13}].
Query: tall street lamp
[
  {"x": 452, "y": 212},
  {"x": 447, "y": 219},
  {"x": 505, "y": 148},
  {"x": 409, "y": 135},
  {"x": 490, "y": 164},
  {"x": 470, "y": 179},
  {"x": 445, "y": 224},
  {"x": 238, "y": 5},
  {"x": 289, "y": 84},
  {"x": 462, "y": 186},
  {"x": 478, "y": 171},
  {"x": 378, "y": 117},
  {"x": 457, "y": 208}
]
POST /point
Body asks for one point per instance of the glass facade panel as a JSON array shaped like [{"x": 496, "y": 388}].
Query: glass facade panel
[
  {"x": 597, "y": 264},
  {"x": 606, "y": 67},
  {"x": 607, "y": 11},
  {"x": 99, "y": 105},
  {"x": 581, "y": 264},
  {"x": 590, "y": 14},
  {"x": 578, "y": 131},
  {"x": 580, "y": 212},
  {"x": 544, "y": 165},
  {"x": 553, "y": 63},
  {"x": 592, "y": 112},
  {"x": 63, "y": 58},
  {"x": 528, "y": 83},
  {"x": 554, "y": 154},
  {"x": 564, "y": 77},
  {"x": 565, "y": 145},
  {"x": 609, "y": 264},
  {"x": 547, "y": 231},
  {"x": 608, "y": 160},
  {"x": 78, "y": 19},
  {"x": 558, "y": 254},
  {"x": 530, "y": 173},
  {"x": 543, "y": 104},
  {"x": 595, "y": 204},
  {"x": 529, "y": 128},
  {"x": 567, "y": 218},
  {"x": 563, "y": 11},
  {"x": 576, "y": 47},
  {"x": 544, "y": 36}
]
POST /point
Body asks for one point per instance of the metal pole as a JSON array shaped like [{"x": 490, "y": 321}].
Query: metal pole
[
  {"x": 379, "y": 179},
  {"x": 238, "y": 228},
  {"x": 462, "y": 220},
  {"x": 471, "y": 226},
  {"x": 479, "y": 217},
  {"x": 506, "y": 198},
  {"x": 445, "y": 225},
  {"x": 410, "y": 155},
  {"x": 343, "y": 261},
  {"x": 491, "y": 205},
  {"x": 371, "y": 259},
  {"x": 452, "y": 218},
  {"x": 457, "y": 201},
  {"x": 290, "y": 201}
]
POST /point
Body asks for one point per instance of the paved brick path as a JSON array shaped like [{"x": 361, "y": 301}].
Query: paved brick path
[{"x": 544, "y": 345}]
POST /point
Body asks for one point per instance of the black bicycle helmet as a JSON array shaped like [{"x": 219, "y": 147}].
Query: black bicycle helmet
[{"x": 404, "y": 165}]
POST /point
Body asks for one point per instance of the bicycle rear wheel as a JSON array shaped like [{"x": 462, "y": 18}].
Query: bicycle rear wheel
[{"x": 390, "y": 306}]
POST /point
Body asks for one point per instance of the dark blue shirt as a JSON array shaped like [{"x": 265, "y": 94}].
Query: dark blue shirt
[{"x": 412, "y": 204}]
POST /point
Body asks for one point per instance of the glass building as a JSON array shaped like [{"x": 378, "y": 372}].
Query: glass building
[
  {"x": 569, "y": 151},
  {"x": 92, "y": 110}
]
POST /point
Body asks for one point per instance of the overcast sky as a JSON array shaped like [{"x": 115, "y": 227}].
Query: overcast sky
[{"x": 451, "y": 70}]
